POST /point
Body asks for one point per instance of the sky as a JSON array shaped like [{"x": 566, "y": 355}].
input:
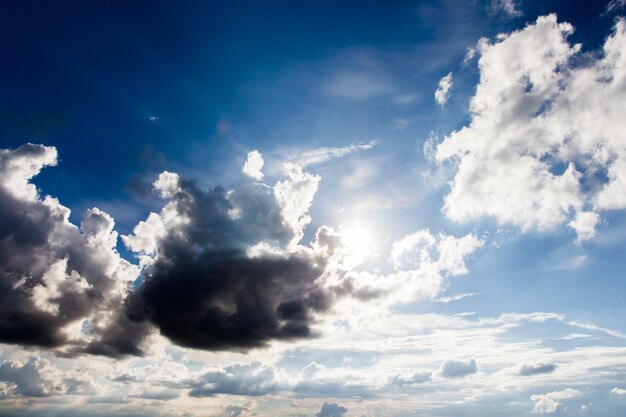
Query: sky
[{"x": 313, "y": 209}]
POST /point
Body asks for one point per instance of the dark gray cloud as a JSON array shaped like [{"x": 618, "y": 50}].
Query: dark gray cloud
[
  {"x": 53, "y": 274},
  {"x": 66, "y": 287},
  {"x": 331, "y": 410},
  {"x": 534, "y": 369},
  {"x": 203, "y": 289}
]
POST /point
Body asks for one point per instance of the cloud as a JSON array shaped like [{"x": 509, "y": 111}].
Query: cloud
[
  {"x": 527, "y": 369},
  {"x": 615, "y": 5},
  {"x": 251, "y": 379},
  {"x": 410, "y": 378},
  {"x": 421, "y": 262},
  {"x": 331, "y": 410},
  {"x": 457, "y": 369},
  {"x": 550, "y": 402},
  {"x": 37, "y": 378},
  {"x": 443, "y": 90},
  {"x": 509, "y": 8},
  {"x": 545, "y": 145},
  {"x": 234, "y": 410},
  {"x": 58, "y": 281},
  {"x": 324, "y": 154},
  {"x": 221, "y": 282},
  {"x": 254, "y": 165},
  {"x": 618, "y": 391}
]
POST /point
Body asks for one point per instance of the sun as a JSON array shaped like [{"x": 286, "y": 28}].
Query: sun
[{"x": 358, "y": 242}]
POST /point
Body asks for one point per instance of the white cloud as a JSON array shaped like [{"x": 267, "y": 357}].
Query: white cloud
[
  {"x": 550, "y": 402},
  {"x": 542, "y": 133},
  {"x": 167, "y": 184},
  {"x": 507, "y": 7},
  {"x": 421, "y": 261},
  {"x": 295, "y": 196},
  {"x": 324, "y": 154},
  {"x": 38, "y": 378},
  {"x": 457, "y": 368},
  {"x": 443, "y": 90},
  {"x": 254, "y": 165},
  {"x": 618, "y": 391},
  {"x": 534, "y": 368}
]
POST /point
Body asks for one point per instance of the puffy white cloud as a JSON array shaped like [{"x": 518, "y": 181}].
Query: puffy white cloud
[
  {"x": 167, "y": 184},
  {"x": 618, "y": 391},
  {"x": 443, "y": 90},
  {"x": 295, "y": 196},
  {"x": 535, "y": 368},
  {"x": 38, "y": 378},
  {"x": 238, "y": 379},
  {"x": 254, "y": 165},
  {"x": 546, "y": 143},
  {"x": 18, "y": 166},
  {"x": 550, "y": 402},
  {"x": 457, "y": 368},
  {"x": 421, "y": 262}
]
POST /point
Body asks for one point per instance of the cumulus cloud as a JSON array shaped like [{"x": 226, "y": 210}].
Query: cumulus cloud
[
  {"x": 443, "y": 90},
  {"x": 38, "y": 378},
  {"x": 331, "y": 410},
  {"x": 618, "y": 391},
  {"x": 206, "y": 288},
  {"x": 59, "y": 281},
  {"x": 550, "y": 402},
  {"x": 421, "y": 262},
  {"x": 410, "y": 378},
  {"x": 457, "y": 368},
  {"x": 251, "y": 379},
  {"x": 546, "y": 143},
  {"x": 526, "y": 369},
  {"x": 254, "y": 165}
]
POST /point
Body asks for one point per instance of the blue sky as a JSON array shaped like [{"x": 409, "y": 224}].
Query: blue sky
[{"x": 330, "y": 210}]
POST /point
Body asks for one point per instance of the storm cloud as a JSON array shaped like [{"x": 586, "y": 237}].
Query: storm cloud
[
  {"x": 58, "y": 281},
  {"x": 220, "y": 271}
]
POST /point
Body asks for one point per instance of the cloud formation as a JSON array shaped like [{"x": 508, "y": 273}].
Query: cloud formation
[
  {"x": 527, "y": 369},
  {"x": 457, "y": 368},
  {"x": 545, "y": 145},
  {"x": 550, "y": 402},
  {"x": 254, "y": 165},
  {"x": 331, "y": 410},
  {"x": 37, "y": 378},
  {"x": 59, "y": 282},
  {"x": 443, "y": 90},
  {"x": 509, "y": 8},
  {"x": 219, "y": 275}
]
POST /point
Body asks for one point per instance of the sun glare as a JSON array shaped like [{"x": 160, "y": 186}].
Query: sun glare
[{"x": 358, "y": 240}]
